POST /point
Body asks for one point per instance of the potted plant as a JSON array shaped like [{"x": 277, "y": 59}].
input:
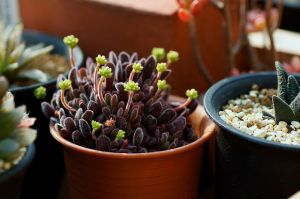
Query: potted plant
[
  {"x": 258, "y": 136},
  {"x": 120, "y": 135},
  {"x": 31, "y": 61},
  {"x": 16, "y": 148}
]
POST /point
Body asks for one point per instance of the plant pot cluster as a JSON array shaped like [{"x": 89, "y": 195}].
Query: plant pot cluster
[{"x": 121, "y": 134}]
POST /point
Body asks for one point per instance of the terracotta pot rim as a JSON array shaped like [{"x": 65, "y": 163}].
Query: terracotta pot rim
[{"x": 204, "y": 137}]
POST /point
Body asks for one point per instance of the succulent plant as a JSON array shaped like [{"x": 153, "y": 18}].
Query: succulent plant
[
  {"x": 119, "y": 104},
  {"x": 287, "y": 102},
  {"x": 14, "y": 55},
  {"x": 15, "y": 133}
]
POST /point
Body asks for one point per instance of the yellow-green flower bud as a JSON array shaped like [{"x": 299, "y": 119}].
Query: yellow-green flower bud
[
  {"x": 101, "y": 60},
  {"x": 172, "y": 56},
  {"x": 71, "y": 41},
  {"x": 192, "y": 94},
  {"x": 131, "y": 86},
  {"x": 137, "y": 67},
  {"x": 161, "y": 67},
  {"x": 105, "y": 71},
  {"x": 65, "y": 84}
]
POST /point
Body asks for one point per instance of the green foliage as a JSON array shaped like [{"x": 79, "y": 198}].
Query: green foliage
[
  {"x": 131, "y": 86},
  {"x": 287, "y": 102},
  {"x": 15, "y": 55},
  {"x": 158, "y": 53},
  {"x": 15, "y": 132},
  {"x": 95, "y": 125},
  {"x": 101, "y": 60},
  {"x": 172, "y": 56},
  {"x": 65, "y": 84},
  {"x": 40, "y": 92},
  {"x": 105, "y": 71},
  {"x": 120, "y": 135},
  {"x": 161, "y": 67},
  {"x": 192, "y": 94},
  {"x": 162, "y": 85},
  {"x": 137, "y": 68},
  {"x": 71, "y": 41}
]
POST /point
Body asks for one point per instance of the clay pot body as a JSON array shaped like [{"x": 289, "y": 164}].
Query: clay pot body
[{"x": 167, "y": 174}]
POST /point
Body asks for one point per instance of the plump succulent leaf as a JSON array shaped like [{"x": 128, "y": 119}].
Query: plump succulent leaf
[
  {"x": 24, "y": 136},
  {"x": 295, "y": 106},
  {"x": 8, "y": 147},
  {"x": 10, "y": 120}
]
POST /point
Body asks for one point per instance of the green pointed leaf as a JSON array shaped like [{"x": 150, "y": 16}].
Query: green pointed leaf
[
  {"x": 282, "y": 110},
  {"x": 10, "y": 120},
  {"x": 34, "y": 51},
  {"x": 16, "y": 53},
  {"x": 3, "y": 86},
  {"x": 8, "y": 147},
  {"x": 24, "y": 136},
  {"x": 292, "y": 89},
  {"x": 295, "y": 106},
  {"x": 281, "y": 81}
]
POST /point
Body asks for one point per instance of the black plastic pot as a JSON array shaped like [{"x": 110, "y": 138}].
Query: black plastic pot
[
  {"x": 11, "y": 180},
  {"x": 247, "y": 166},
  {"x": 48, "y": 164}
]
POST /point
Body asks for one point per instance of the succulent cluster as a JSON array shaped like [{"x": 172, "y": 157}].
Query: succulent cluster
[
  {"x": 287, "y": 102},
  {"x": 119, "y": 104},
  {"x": 15, "y": 133},
  {"x": 14, "y": 55}
]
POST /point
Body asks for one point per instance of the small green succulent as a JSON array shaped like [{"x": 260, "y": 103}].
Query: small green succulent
[
  {"x": 15, "y": 133},
  {"x": 287, "y": 102},
  {"x": 15, "y": 55},
  {"x": 131, "y": 86},
  {"x": 40, "y": 92}
]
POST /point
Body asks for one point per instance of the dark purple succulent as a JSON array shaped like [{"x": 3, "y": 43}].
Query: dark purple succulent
[{"x": 120, "y": 105}]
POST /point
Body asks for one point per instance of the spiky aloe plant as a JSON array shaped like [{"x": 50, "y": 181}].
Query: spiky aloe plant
[
  {"x": 15, "y": 133},
  {"x": 14, "y": 55},
  {"x": 287, "y": 102},
  {"x": 119, "y": 104}
]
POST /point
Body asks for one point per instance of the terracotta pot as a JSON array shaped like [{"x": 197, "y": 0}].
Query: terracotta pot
[{"x": 167, "y": 174}]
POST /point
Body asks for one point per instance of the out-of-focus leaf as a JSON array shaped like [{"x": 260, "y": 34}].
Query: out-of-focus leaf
[
  {"x": 10, "y": 120},
  {"x": 33, "y": 74},
  {"x": 24, "y": 136},
  {"x": 8, "y": 147}
]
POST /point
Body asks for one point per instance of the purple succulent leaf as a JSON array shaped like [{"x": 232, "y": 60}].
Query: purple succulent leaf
[
  {"x": 103, "y": 143},
  {"x": 120, "y": 112},
  {"x": 77, "y": 138},
  {"x": 112, "y": 57},
  {"x": 90, "y": 66},
  {"x": 121, "y": 104},
  {"x": 134, "y": 114},
  {"x": 188, "y": 132},
  {"x": 78, "y": 115},
  {"x": 84, "y": 97},
  {"x": 124, "y": 56},
  {"x": 178, "y": 134},
  {"x": 93, "y": 107},
  {"x": 82, "y": 72},
  {"x": 149, "y": 67},
  {"x": 192, "y": 106},
  {"x": 54, "y": 120},
  {"x": 128, "y": 70},
  {"x": 114, "y": 101},
  {"x": 152, "y": 142},
  {"x": 107, "y": 98},
  {"x": 82, "y": 105},
  {"x": 109, "y": 81},
  {"x": 134, "y": 58},
  {"x": 166, "y": 116},
  {"x": 138, "y": 137},
  {"x": 69, "y": 124},
  {"x": 121, "y": 123},
  {"x": 85, "y": 129},
  {"x": 61, "y": 112},
  {"x": 88, "y": 115},
  {"x": 119, "y": 86},
  {"x": 156, "y": 109},
  {"x": 114, "y": 144},
  {"x": 150, "y": 123},
  {"x": 108, "y": 130},
  {"x": 106, "y": 111},
  {"x": 139, "y": 96},
  {"x": 47, "y": 109},
  {"x": 179, "y": 123},
  {"x": 119, "y": 72},
  {"x": 65, "y": 133},
  {"x": 58, "y": 127},
  {"x": 164, "y": 138},
  {"x": 165, "y": 74},
  {"x": 73, "y": 76}
]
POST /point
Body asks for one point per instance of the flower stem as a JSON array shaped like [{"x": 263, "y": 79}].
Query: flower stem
[
  {"x": 100, "y": 94},
  {"x": 95, "y": 76},
  {"x": 64, "y": 103},
  {"x": 71, "y": 52},
  {"x": 129, "y": 101},
  {"x": 182, "y": 106},
  {"x": 131, "y": 76}
]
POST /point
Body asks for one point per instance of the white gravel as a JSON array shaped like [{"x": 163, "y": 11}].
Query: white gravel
[{"x": 246, "y": 114}]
